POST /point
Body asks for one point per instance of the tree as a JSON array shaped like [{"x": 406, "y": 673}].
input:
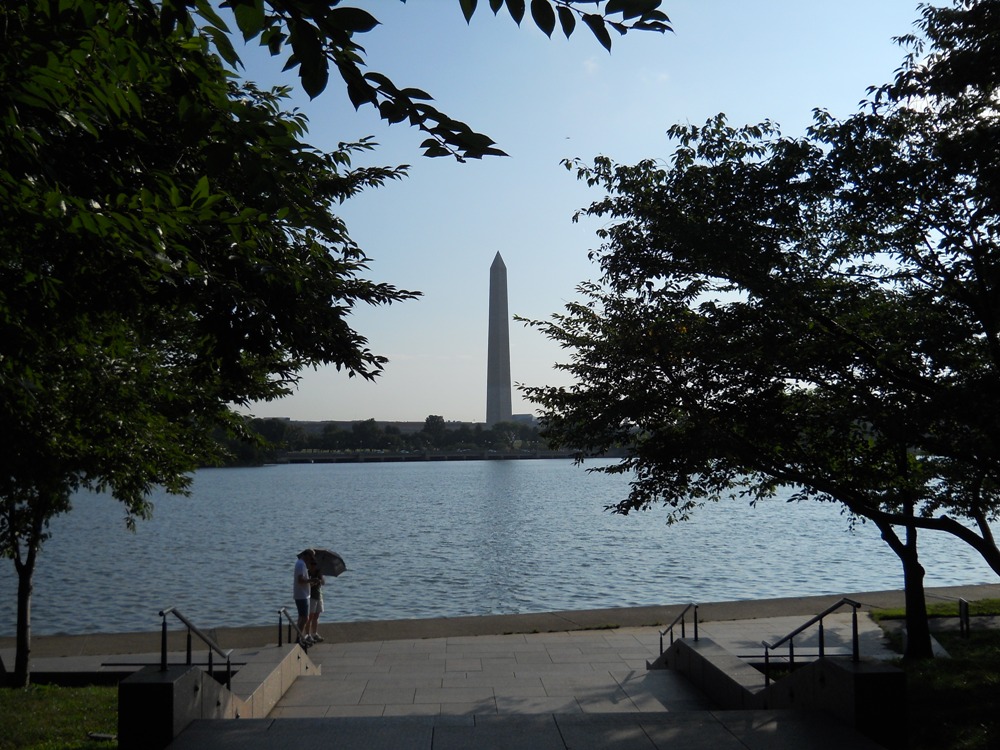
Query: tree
[
  {"x": 366, "y": 435},
  {"x": 817, "y": 313},
  {"x": 434, "y": 428},
  {"x": 169, "y": 245},
  {"x": 331, "y": 438},
  {"x": 168, "y": 249}
]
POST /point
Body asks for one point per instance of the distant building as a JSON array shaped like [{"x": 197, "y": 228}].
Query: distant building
[{"x": 498, "y": 407}]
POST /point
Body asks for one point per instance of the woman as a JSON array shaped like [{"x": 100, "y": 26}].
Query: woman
[{"x": 316, "y": 582}]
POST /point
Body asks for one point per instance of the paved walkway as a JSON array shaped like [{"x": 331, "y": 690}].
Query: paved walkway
[
  {"x": 590, "y": 671},
  {"x": 456, "y": 683},
  {"x": 582, "y": 689},
  {"x": 682, "y": 730}
]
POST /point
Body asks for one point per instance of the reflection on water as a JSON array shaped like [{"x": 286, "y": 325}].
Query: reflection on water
[{"x": 436, "y": 539}]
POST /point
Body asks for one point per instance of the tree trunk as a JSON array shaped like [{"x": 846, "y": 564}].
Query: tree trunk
[
  {"x": 22, "y": 659},
  {"x": 918, "y": 632}
]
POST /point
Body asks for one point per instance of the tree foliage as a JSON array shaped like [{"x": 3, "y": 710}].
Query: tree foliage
[
  {"x": 170, "y": 245},
  {"x": 819, "y": 313},
  {"x": 169, "y": 248},
  {"x": 315, "y": 38}
]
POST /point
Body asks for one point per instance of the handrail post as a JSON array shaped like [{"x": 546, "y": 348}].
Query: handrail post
[
  {"x": 229, "y": 673},
  {"x": 681, "y": 618},
  {"x": 163, "y": 643},
  {"x": 855, "y": 644},
  {"x": 856, "y": 649},
  {"x": 280, "y": 642},
  {"x": 767, "y": 666},
  {"x": 189, "y": 647},
  {"x": 964, "y": 624},
  {"x": 210, "y": 662}
]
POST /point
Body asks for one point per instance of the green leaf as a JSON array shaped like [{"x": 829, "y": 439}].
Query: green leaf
[
  {"x": 273, "y": 39},
  {"x": 391, "y": 112},
  {"x": 250, "y": 18},
  {"x": 544, "y": 16},
  {"x": 567, "y": 19},
  {"x": 434, "y": 149},
  {"x": 631, "y": 8},
  {"x": 223, "y": 46},
  {"x": 383, "y": 83},
  {"x": 411, "y": 93},
  {"x": 353, "y": 20},
  {"x": 516, "y": 10},
  {"x": 313, "y": 70},
  {"x": 361, "y": 94},
  {"x": 206, "y": 11},
  {"x": 596, "y": 25},
  {"x": 468, "y": 8},
  {"x": 202, "y": 189},
  {"x": 495, "y": 6}
]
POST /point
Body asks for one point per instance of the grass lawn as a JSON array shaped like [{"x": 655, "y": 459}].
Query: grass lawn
[
  {"x": 942, "y": 609},
  {"x": 45, "y": 717},
  {"x": 954, "y": 704}
]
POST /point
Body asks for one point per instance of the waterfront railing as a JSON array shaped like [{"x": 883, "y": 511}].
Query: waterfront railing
[
  {"x": 292, "y": 624},
  {"x": 790, "y": 638},
  {"x": 192, "y": 629},
  {"x": 680, "y": 620}
]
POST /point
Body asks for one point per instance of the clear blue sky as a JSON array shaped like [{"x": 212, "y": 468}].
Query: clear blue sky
[{"x": 545, "y": 100}]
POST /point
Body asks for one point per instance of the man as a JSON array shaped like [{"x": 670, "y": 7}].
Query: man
[{"x": 300, "y": 591}]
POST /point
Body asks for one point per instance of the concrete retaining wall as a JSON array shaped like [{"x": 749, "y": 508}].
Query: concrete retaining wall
[
  {"x": 870, "y": 696},
  {"x": 154, "y": 705}
]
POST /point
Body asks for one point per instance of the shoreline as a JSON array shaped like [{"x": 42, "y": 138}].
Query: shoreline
[{"x": 476, "y": 625}]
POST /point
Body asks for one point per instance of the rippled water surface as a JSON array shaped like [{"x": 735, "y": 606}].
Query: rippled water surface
[{"x": 434, "y": 539}]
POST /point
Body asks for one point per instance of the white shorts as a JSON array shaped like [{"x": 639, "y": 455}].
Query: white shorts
[{"x": 315, "y": 606}]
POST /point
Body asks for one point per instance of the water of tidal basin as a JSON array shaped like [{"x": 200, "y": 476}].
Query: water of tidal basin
[{"x": 440, "y": 539}]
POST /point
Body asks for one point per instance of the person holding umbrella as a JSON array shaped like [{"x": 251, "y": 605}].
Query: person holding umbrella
[
  {"x": 315, "y": 601},
  {"x": 301, "y": 590}
]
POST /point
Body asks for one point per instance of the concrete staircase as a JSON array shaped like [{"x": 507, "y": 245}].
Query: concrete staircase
[
  {"x": 868, "y": 695},
  {"x": 156, "y": 705}
]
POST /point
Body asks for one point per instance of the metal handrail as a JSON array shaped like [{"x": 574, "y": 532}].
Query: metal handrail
[
  {"x": 291, "y": 624},
  {"x": 680, "y": 619},
  {"x": 213, "y": 647},
  {"x": 790, "y": 638}
]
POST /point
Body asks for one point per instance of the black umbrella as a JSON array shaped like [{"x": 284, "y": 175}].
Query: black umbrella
[{"x": 329, "y": 562}]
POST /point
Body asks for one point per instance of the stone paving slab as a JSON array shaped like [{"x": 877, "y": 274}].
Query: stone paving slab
[
  {"x": 581, "y": 672},
  {"x": 691, "y": 730},
  {"x": 575, "y": 672}
]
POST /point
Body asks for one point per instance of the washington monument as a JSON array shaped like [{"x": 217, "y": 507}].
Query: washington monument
[{"x": 498, "y": 407}]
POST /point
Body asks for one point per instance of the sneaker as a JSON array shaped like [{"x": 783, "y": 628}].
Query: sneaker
[
  {"x": 305, "y": 641},
  {"x": 317, "y": 638}
]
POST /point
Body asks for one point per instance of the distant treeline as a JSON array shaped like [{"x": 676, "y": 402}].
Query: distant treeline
[{"x": 280, "y": 436}]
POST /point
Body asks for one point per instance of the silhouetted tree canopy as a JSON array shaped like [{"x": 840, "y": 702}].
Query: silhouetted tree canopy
[{"x": 818, "y": 313}]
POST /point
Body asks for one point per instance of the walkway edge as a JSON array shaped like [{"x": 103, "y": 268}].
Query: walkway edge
[{"x": 591, "y": 619}]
